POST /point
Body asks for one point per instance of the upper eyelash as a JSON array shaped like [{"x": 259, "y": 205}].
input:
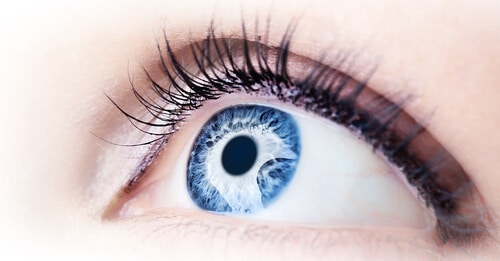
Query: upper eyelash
[{"x": 217, "y": 76}]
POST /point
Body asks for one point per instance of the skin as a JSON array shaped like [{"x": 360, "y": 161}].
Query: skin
[{"x": 59, "y": 60}]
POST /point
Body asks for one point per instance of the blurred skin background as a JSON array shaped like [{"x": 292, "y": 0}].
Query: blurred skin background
[{"x": 60, "y": 59}]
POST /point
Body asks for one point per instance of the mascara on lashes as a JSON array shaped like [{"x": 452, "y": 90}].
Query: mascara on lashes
[{"x": 222, "y": 65}]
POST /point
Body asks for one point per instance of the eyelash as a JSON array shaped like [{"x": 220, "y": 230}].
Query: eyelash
[{"x": 217, "y": 74}]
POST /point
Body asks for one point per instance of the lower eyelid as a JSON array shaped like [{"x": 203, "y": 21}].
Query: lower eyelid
[{"x": 238, "y": 237}]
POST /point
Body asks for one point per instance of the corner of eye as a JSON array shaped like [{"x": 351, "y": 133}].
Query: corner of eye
[{"x": 112, "y": 209}]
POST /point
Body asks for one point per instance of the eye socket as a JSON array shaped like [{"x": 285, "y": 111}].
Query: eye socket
[
  {"x": 322, "y": 174},
  {"x": 221, "y": 67}
]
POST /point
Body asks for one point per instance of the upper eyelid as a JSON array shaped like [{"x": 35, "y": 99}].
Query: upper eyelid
[{"x": 160, "y": 68}]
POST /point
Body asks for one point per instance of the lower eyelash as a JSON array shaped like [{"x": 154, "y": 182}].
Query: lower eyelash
[{"x": 326, "y": 92}]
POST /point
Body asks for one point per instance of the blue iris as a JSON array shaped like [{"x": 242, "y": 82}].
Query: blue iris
[{"x": 243, "y": 159}]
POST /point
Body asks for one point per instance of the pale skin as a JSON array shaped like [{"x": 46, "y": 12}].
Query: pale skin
[{"x": 58, "y": 61}]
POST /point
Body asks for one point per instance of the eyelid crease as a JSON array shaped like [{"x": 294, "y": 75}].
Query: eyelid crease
[{"x": 232, "y": 69}]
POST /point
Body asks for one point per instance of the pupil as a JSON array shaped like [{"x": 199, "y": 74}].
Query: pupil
[{"x": 239, "y": 155}]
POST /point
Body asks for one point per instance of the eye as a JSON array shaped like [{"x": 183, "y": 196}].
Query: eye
[
  {"x": 237, "y": 131},
  {"x": 260, "y": 161}
]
